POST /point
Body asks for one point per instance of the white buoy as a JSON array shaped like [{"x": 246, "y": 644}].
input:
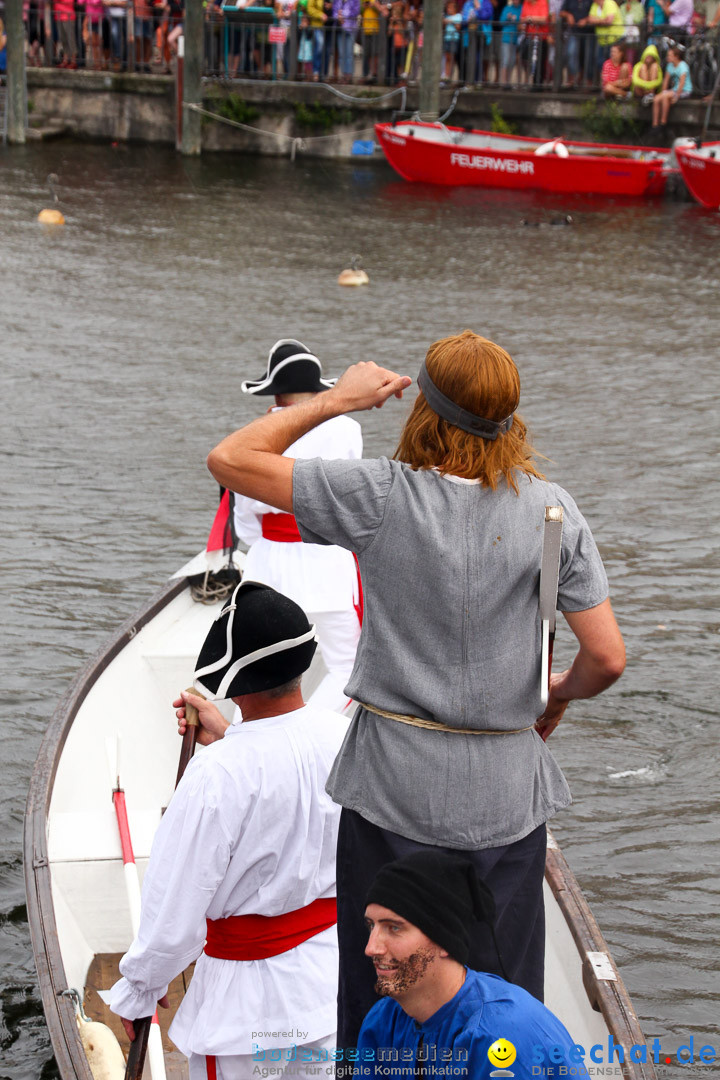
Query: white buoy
[
  {"x": 51, "y": 216},
  {"x": 354, "y": 276},
  {"x": 102, "y": 1050}
]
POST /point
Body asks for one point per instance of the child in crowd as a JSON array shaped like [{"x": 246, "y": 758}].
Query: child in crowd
[
  {"x": 398, "y": 39},
  {"x": 451, "y": 38},
  {"x": 508, "y": 42},
  {"x": 676, "y": 84},
  {"x": 615, "y": 74},
  {"x": 305, "y": 46},
  {"x": 647, "y": 75}
]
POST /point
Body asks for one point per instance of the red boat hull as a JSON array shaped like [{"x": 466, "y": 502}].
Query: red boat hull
[
  {"x": 587, "y": 169},
  {"x": 701, "y": 173}
]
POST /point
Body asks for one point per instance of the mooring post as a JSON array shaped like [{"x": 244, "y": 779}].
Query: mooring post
[
  {"x": 191, "y": 79},
  {"x": 431, "y": 60},
  {"x": 15, "y": 102}
]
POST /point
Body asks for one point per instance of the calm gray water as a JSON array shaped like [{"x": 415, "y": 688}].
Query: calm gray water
[{"x": 125, "y": 338}]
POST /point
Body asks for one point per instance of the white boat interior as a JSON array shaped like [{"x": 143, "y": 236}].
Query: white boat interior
[
  {"x": 123, "y": 715},
  {"x": 486, "y": 140}
]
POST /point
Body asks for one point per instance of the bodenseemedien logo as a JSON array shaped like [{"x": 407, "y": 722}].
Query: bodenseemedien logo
[{"x": 501, "y": 1054}]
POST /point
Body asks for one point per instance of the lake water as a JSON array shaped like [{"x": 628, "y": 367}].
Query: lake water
[{"x": 125, "y": 338}]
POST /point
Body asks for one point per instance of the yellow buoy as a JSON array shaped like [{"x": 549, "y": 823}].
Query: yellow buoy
[
  {"x": 50, "y": 217},
  {"x": 354, "y": 276}
]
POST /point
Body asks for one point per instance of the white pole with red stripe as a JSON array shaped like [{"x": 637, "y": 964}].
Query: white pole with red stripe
[{"x": 156, "y": 1056}]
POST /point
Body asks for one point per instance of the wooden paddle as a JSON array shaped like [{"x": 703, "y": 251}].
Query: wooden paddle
[{"x": 138, "y": 1048}]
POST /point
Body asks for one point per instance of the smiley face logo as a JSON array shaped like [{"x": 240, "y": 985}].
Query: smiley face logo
[{"x": 502, "y": 1053}]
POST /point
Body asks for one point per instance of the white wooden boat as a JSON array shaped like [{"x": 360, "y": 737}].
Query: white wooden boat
[{"x": 77, "y": 907}]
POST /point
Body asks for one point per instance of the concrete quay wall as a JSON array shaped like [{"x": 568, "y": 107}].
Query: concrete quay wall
[{"x": 142, "y": 108}]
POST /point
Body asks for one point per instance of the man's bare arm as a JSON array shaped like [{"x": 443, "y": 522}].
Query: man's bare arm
[
  {"x": 599, "y": 662},
  {"x": 250, "y": 461}
]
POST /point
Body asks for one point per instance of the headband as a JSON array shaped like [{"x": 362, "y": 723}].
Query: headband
[{"x": 456, "y": 415}]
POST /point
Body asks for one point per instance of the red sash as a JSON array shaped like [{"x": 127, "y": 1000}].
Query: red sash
[
  {"x": 282, "y": 528},
  {"x": 256, "y": 937}
]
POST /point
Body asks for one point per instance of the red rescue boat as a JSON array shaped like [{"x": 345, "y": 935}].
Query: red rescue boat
[
  {"x": 436, "y": 154},
  {"x": 700, "y": 168}
]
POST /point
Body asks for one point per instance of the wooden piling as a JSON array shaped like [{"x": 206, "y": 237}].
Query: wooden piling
[
  {"x": 431, "y": 60},
  {"x": 16, "y": 99},
  {"x": 191, "y": 142}
]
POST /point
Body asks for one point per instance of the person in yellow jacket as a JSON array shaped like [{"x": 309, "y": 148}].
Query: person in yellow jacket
[
  {"x": 647, "y": 75},
  {"x": 317, "y": 17},
  {"x": 606, "y": 17}
]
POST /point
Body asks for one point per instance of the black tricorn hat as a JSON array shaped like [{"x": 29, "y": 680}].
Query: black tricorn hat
[
  {"x": 261, "y": 639},
  {"x": 291, "y": 369}
]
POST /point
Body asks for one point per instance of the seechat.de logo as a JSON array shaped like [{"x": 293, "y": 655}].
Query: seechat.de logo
[{"x": 501, "y": 1054}]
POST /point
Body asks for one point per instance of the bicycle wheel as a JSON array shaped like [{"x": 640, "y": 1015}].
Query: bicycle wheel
[{"x": 705, "y": 73}]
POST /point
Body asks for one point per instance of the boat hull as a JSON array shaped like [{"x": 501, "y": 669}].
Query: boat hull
[
  {"x": 701, "y": 172},
  {"x": 77, "y": 911},
  {"x": 460, "y": 159}
]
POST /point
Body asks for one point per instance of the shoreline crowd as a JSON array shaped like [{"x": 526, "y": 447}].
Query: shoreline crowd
[{"x": 531, "y": 44}]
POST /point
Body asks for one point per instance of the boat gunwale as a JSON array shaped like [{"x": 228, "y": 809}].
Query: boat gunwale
[
  {"x": 60, "y": 1013},
  {"x": 662, "y": 152},
  {"x": 608, "y": 997}
]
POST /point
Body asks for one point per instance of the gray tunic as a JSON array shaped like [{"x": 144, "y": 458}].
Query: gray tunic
[{"x": 451, "y": 632}]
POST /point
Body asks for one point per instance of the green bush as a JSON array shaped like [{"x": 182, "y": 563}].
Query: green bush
[
  {"x": 607, "y": 122},
  {"x": 317, "y": 117},
  {"x": 498, "y": 122},
  {"x": 233, "y": 107}
]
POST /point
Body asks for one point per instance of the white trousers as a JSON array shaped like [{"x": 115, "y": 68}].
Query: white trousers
[
  {"x": 338, "y": 635},
  {"x": 270, "y": 1066}
]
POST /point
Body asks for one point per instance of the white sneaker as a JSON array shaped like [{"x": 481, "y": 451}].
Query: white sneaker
[{"x": 648, "y": 98}]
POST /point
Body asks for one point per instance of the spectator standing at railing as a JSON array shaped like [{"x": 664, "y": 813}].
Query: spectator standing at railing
[
  {"x": 397, "y": 40},
  {"x": 580, "y": 44},
  {"x": 605, "y": 17},
  {"x": 283, "y": 13},
  {"x": 535, "y": 24},
  {"x": 95, "y": 16},
  {"x": 3, "y": 48},
  {"x": 509, "y": 19},
  {"x": 371, "y": 12},
  {"x": 34, "y": 16},
  {"x": 118, "y": 33},
  {"x": 633, "y": 14},
  {"x": 451, "y": 38},
  {"x": 478, "y": 14},
  {"x": 143, "y": 34},
  {"x": 347, "y": 13},
  {"x": 615, "y": 75},
  {"x": 318, "y": 18},
  {"x": 64, "y": 17},
  {"x": 678, "y": 14}
]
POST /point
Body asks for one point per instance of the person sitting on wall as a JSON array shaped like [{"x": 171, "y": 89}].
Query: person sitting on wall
[
  {"x": 616, "y": 76},
  {"x": 434, "y": 1008},
  {"x": 647, "y": 75},
  {"x": 676, "y": 84}
]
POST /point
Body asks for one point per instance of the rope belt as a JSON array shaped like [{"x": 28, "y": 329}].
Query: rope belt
[
  {"x": 435, "y": 725},
  {"x": 257, "y": 937}
]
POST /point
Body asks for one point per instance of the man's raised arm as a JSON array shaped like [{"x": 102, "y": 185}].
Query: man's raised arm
[{"x": 250, "y": 460}]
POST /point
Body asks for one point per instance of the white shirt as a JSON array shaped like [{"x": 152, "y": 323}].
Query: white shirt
[
  {"x": 316, "y": 577},
  {"x": 250, "y": 830}
]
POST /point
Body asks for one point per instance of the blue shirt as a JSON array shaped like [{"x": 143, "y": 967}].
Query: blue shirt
[
  {"x": 675, "y": 71},
  {"x": 456, "y": 1039},
  {"x": 509, "y": 19}
]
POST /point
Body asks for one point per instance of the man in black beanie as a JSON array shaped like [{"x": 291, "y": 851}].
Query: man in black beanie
[{"x": 438, "y": 1017}]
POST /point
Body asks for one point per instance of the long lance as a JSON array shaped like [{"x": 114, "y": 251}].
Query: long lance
[
  {"x": 549, "y": 575},
  {"x": 148, "y": 1040}
]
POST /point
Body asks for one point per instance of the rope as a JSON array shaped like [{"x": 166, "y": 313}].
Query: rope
[
  {"x": 296, "y": 143},
  {"x": 435, "y": 725},
  {"x": 211, "y": 588}
]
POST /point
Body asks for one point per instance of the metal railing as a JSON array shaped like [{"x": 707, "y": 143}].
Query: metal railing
[{"x": 260, "y": 43}]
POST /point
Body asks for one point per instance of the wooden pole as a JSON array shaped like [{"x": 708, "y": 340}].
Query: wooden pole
[
  {"x": 431, "y": 60},
  {"x": 16, "y": 92},
  {"x": 191, "y": 142}
]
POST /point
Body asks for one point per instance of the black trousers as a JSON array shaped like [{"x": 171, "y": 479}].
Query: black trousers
[{"x": 514, "y": 873}]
